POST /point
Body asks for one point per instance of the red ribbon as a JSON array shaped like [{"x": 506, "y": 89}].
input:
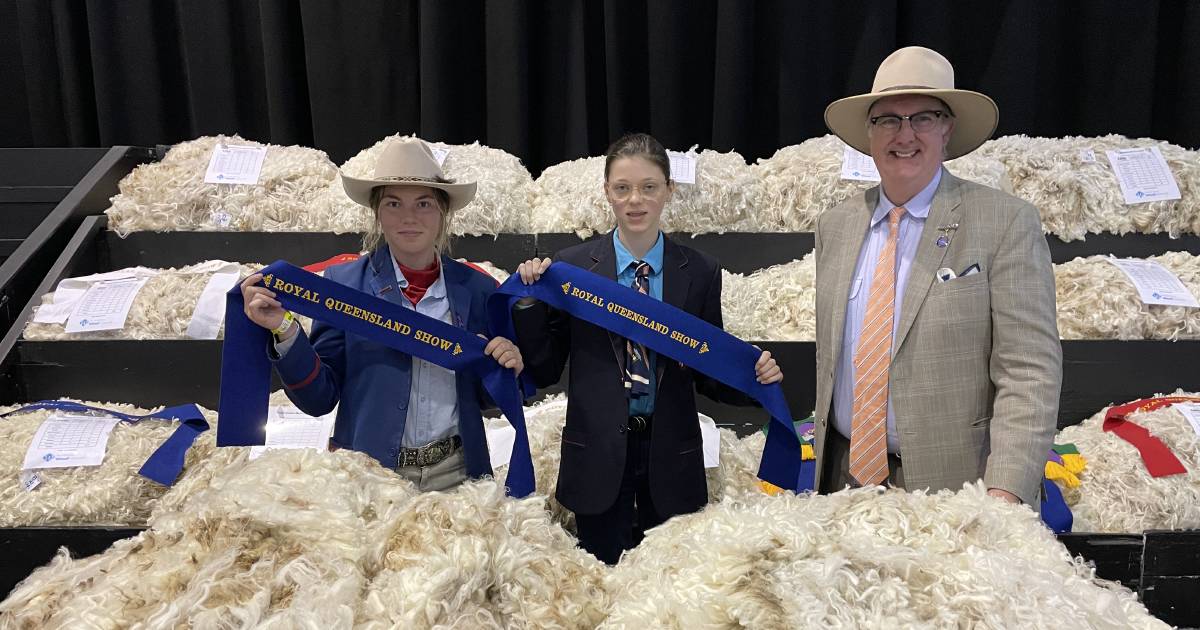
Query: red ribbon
[
  {"x": 318, "y": 267},
  {"x": 1159, "y": 460}
]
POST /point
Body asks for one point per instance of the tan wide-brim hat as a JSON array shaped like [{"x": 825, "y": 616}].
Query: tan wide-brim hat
[
  {"x": 917, "y": 70},
  {"x": 408, "y": 163}
]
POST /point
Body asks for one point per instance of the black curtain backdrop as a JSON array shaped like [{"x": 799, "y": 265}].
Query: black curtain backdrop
[{"x": 559, "y": 79}]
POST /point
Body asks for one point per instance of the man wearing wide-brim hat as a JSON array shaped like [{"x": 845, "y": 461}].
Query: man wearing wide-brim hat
[
  {"x": 417, "y": 418},
  {"x": 938, "y": 358}
]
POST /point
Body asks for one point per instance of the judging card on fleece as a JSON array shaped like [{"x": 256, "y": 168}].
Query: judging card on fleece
[
  {"x": 70, "y": 291},
  {"x": 683, "y": 166},
  {"x": 288, "y": 427},
  {"x": 65, "y": 440},
  {"x": 1144, "y": 175},
  {"x": 858, "y": 166},
  {"x": 105, "y": 305},
  {"x": 1191, "y": 411},
  {"x": 439, "y": 153},
  {"x": 235, "y": 164},
  {"x": 1155, "y": 283}
]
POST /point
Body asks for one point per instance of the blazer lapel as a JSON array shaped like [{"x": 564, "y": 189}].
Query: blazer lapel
[
  {"x": 945, "y": 211},
  {"x": 676, "y": 280},
  {"x": 383, "y": 276},
  {"x": 457, "y": 292},
  {"x": 676, "y": 283},
  {"x": 849, "y": 244},
  {"x": 604, "y": 257}
]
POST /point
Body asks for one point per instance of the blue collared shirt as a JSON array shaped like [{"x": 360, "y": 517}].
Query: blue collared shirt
[
  {"x": 625, "y": 266},
  {"x": 433, "y": 393},
  {"x": 912, "y": 223}
]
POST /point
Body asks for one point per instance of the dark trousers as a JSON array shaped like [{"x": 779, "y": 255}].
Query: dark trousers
[
  {"x": 835, "y": 474},
  {"x": 607, "y": 534}
]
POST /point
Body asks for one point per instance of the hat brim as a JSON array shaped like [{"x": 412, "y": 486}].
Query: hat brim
[
  {"x": 359, "y": 190},
  {"x": 975, "y": 118}
]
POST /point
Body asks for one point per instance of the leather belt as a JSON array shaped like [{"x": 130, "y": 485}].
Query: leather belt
[
  {"x": 428, "y": 454},
  {"x": 639, "y": 423}
]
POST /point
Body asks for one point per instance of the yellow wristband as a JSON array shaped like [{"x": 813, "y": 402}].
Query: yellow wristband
[{"x": 285, "y": 325}]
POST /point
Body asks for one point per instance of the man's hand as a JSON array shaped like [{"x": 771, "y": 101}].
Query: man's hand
[{"x": 1003, "y": 494}]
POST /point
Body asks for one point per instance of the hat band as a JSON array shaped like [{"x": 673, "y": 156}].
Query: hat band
[
  {"x": 412, "y": 178},
  {"x": 911, "y": 87}
]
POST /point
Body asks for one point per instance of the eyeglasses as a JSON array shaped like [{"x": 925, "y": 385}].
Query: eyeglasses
[
  {"x": 921, "y": 122},
  {"x": 648, "y": 190}
]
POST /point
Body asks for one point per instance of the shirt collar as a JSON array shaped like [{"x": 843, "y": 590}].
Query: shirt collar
[
  {"x": 435, "y": 290},
  {"x": 654, "y": 257},
  {"x": 917, "y": 207}
]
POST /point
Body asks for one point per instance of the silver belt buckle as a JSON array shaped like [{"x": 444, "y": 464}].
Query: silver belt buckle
[{"x": 426, "y": 455}]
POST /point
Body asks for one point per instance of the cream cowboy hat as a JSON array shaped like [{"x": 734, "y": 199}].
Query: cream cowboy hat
[
  {"x": 917, "y": 70},
  {"x": 408, "y": 163}
]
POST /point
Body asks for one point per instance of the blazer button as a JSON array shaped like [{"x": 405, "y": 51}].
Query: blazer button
[{"x": 621, "y": 429}]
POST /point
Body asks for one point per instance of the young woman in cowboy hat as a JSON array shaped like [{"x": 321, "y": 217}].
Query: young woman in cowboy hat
[
  {"x": 631, "y": 447},
  {"x": 420, "y": 419}
]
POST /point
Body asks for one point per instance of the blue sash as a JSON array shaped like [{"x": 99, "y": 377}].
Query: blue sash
[
  {"x": 670, "y": 332},
  {"x": 246, "y": 370},
  {"x": 165, "y": 463}
]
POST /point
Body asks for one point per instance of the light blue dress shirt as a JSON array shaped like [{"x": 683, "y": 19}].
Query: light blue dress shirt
[
  {"x": 912, "y": 223},
  {"x": 433, "y": 392},
  {"x": 625, "y": 267}
]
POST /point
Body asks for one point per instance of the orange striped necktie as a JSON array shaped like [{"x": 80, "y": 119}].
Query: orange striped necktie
[{"x": 872, "y": 358}]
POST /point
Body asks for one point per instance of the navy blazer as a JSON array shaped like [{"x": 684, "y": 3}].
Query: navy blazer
[
  {"x": 370, "y": 380},
  {"x": 594, "y": 438}
]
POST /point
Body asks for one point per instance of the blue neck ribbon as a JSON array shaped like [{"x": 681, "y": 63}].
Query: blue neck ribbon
[
  {"x": 246, "y": 370},
  {"x": 167, "y": 461},
  {"x": 671, "y": 332}
]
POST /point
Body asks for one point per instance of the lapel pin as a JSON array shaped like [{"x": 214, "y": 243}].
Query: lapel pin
[{"x": 946, "y": 231}]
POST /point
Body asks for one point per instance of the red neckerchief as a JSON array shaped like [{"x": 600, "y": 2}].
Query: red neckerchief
[{"x": 419, "y": 280}]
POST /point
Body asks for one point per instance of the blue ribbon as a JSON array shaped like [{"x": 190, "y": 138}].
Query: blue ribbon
[
  {"x": 246, "y": 370},
  {"x": 1055, "y": 513},
  {"x": 164, "y": 465},
  {"x": 670, "y": 332}
]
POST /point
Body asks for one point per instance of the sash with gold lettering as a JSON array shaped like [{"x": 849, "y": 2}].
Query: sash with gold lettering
[
  {"x": 246, "y": 370},
  {"x": 670, "y": 332}
]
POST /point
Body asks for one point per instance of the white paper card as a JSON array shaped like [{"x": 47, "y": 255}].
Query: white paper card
[
  {"x": 288, "y": 427},
  {"x": 66, "y": 440},
  {"x": 1087, "y": 155},
  {"x": 1191, "y": 411},
  {"x": 105, "y": 305},
  {"x": 1155, "y": 283},
  {"x": 70, "y": 290},
  {"x": 235, "y": 164},
  {"x": 712, "y": 441},
  {"x": 29, "y": 480},
  {"x": 439, "y": 154},
  {"x": 1143, "y": 175},
  {"x": 210, "y": 308},
  {"x": 858, "y": 166},
  {"x": 500, "y": 439},
  {"x": 55, "y": 312},
  {"x": 683, "y": 167}
]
